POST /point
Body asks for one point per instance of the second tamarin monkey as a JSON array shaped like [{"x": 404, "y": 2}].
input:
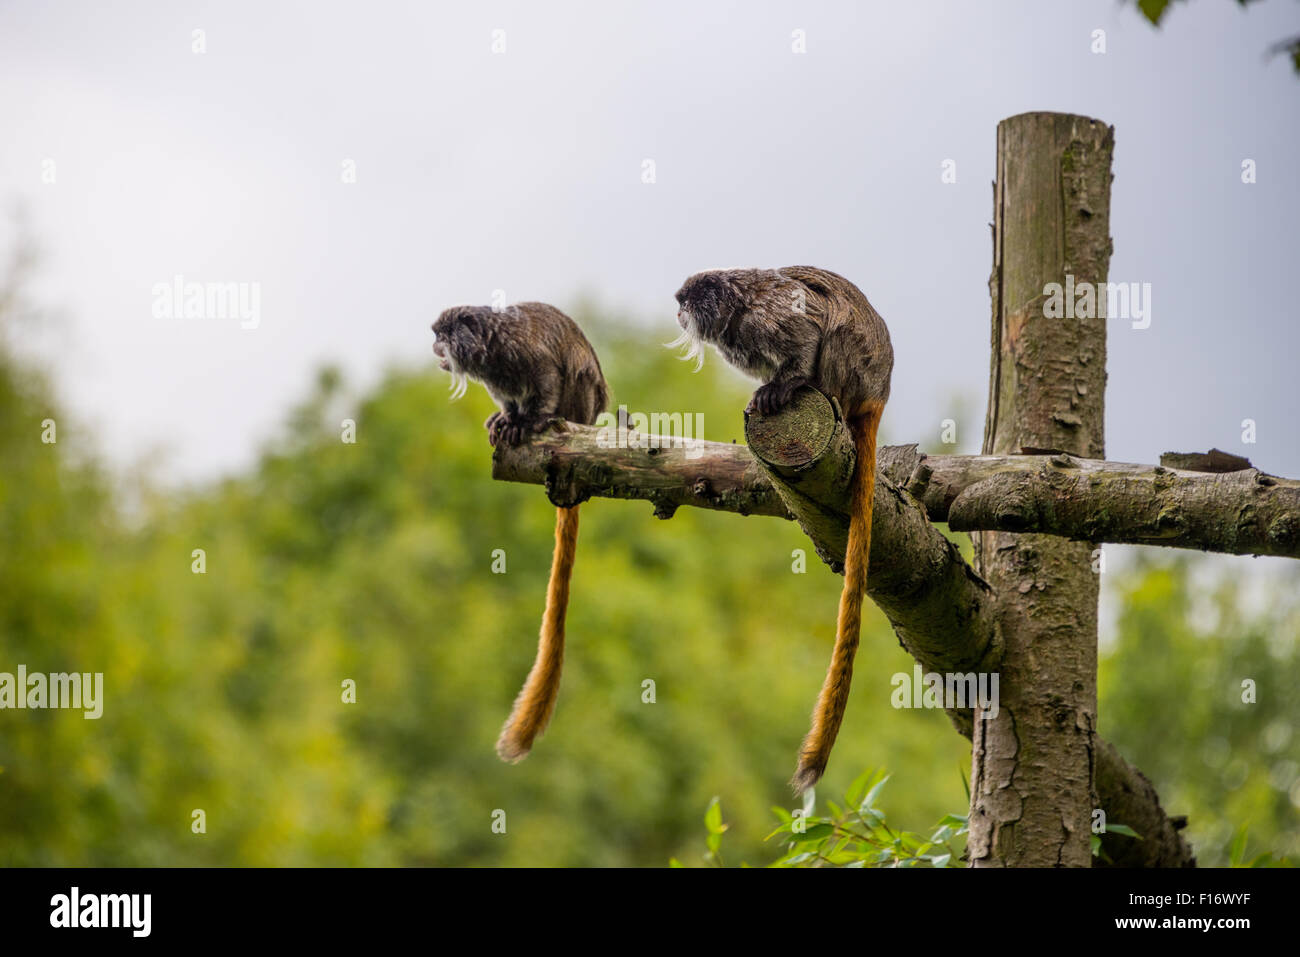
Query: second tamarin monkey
[
  {"x": 789, "y": 328},
  {"x": 538, "y": 366}
]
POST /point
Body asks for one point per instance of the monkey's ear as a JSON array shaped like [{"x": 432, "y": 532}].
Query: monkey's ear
[
  {"x": 738, "y": 293},
  {"x": 468, "y": 320}
]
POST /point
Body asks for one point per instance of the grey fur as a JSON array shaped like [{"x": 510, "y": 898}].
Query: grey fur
[
  {"x": 532, "y": 358},
  {"x": 789, "y": 327}
]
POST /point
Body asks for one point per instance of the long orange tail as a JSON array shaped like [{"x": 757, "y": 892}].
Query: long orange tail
[
  {"x": 536, "y": 702},
  {"x": 834, "y": 696}
]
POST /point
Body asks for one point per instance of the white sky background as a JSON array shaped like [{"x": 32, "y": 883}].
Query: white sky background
[{"x": 522, "y": 171}]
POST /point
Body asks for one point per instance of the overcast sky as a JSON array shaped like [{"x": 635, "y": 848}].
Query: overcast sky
[{"x": 522, "y": 171}]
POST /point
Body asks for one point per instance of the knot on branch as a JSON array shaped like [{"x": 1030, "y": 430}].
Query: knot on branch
[
  {"x": 1215, "y": 460},
  {"x": 562, "y": 486},
  {"x": 1006, "y": 502}
]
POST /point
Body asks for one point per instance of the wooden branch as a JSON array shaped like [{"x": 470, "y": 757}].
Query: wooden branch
[
  {"x": 1129, "y": 798},
  {"x": 1243, "y": 512},
  {"x": 1033, "y": 764},
  {"x": 577, "y": 462},
  {"x": 1239, "y": 513},
  {"x": 939, "y": 608}
]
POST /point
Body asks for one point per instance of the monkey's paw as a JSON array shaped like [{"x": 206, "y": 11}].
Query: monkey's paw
[
  {"x": 774, "y": 396},
  {"x": 493, "y": 426},
  {"x": 513, "y": 429}
]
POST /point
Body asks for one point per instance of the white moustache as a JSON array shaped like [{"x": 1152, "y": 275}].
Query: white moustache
[{"x": 689, "y": 342}]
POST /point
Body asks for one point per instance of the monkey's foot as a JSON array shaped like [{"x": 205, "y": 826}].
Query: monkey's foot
[
  {"x": 493, "y": 426},
  {"x": 511, "y": 430},
  {"x": 774, "y": 396}
]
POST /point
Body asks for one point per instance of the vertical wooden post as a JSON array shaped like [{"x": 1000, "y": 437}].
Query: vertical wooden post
[{"x": 1032, "y": 792}]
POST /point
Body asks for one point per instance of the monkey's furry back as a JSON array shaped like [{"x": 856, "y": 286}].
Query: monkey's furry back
[
  {"x": 764, "y": 318},
  {"x": 856, "y": 360},
  {"x": 533, "y": 355}
]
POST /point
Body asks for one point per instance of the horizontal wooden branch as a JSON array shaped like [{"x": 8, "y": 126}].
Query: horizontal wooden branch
[
  {"x": 1245, "y": 512},
  {"x": 938, "y": 606},
  {"x": 578, "y": 462}
]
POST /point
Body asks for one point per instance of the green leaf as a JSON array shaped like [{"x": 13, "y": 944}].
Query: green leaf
[
  {"x": 940, "y": 860},
  {"x": 871, "y": 818},
  {"x": 674, "y": 862},
  {"x": 713, "y": 817},
  {"x": 1238, "y": 850},
  {"x": 1095, "y": 841},
  {"x": 1122, "y": 829},
  {"x": 1153, "y": 10},
  {"x": 817, "y": 832},
  {"x": 870, "y": 800},
  {"x": 853, "y": 796}
]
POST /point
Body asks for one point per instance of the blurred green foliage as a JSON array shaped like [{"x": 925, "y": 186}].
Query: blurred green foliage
[
  {"x": 373, "y": 562},
  {"x": 1171, "y": 699}
]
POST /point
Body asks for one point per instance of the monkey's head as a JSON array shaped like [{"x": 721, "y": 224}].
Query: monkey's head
[
  {"x": 709, "y": 300},
  {"x": 706, "y": 304},
  {"x": 460, "y": 341}
]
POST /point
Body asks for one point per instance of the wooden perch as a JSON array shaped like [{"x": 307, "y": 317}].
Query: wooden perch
[
  {"x": 940, "y": 609},
  {"x": 1244, "y": 512},
  {"x": 576, "y": 462},
  {"x": 1237, "y": 512}
]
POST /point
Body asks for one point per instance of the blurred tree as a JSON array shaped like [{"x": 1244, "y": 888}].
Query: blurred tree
[{"x": 1171, "y": 698}]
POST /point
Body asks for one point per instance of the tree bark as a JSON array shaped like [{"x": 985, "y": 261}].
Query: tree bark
[
  {"x": 1239, "y": 512},
  {"x": 941, "y": 611},
  {"x": 1032, "y": 764}
]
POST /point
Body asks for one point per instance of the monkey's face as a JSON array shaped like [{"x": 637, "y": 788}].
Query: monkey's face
[
  {"x": 706, "y": 303},
  {"x": 460, "y": 343}
]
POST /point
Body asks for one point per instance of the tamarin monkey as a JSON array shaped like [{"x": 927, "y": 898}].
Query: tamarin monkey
[
  {"x": 789, "y": 328},
  {"x": 538, "y": 366}
]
